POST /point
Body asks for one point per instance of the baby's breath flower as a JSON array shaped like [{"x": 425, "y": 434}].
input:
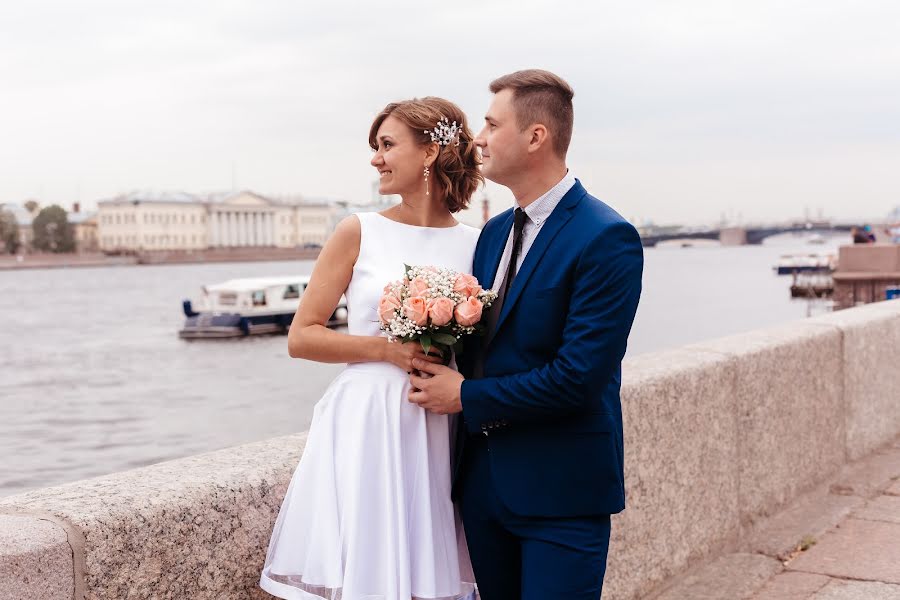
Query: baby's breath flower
[{"x": 439, "y": 282}]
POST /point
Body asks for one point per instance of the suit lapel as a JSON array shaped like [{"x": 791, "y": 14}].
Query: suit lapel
[
  {"x": 555, "y": 222},
  {"x": 493, "y": 253}
]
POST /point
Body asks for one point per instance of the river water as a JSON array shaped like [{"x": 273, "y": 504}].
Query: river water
[{"x": 94, "y": 379}]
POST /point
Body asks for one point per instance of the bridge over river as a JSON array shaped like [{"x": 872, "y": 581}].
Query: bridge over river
[{"x": 736, "y": 236}]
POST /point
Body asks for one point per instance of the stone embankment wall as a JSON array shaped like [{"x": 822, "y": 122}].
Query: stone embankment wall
[{"x": 719, "y": 436}]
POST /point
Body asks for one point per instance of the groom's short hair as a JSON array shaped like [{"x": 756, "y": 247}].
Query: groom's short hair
[{"x": 541, "y": 97}]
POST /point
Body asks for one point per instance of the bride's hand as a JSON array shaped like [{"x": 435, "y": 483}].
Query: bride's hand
[{"x": 402, "y": 355}]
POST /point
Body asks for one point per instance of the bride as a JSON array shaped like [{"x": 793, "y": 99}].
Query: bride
[{"x": 368, "y": 515}]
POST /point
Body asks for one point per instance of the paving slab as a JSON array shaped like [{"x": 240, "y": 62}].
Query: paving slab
[
  {"x": 730, "y": 577},
  {"x": 792, "y": 585},
  {"x": 881, "y": 508},
  {"x": 856, "y": 549},
  {"x": 853, "y": 520},
  {"x": 810, "y": 517},
  {"x": 871, "y": 475},
  {"x": 858, "y": 590}
]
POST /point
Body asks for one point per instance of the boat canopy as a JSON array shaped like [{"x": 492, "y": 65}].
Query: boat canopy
[{"x": 249, "y": 284}]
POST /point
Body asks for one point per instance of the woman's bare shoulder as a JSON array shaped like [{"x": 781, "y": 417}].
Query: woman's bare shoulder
[{"x": 344, "y": 241}]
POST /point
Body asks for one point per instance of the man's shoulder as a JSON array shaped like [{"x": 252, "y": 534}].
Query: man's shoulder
[
  {"x": 496, "y": 221},
  {"x": 596, "y": 217},
  {"x": 598, "y": 211}
]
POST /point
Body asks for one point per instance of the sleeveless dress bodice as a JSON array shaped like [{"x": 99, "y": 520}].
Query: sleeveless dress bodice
[{"x": 385, "y": 246}]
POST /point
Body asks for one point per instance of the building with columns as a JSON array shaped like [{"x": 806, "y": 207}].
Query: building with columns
[{"x": 143, "y": 221}]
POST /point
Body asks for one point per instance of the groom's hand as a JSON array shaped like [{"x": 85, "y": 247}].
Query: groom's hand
[{"x": 441, "y": 393}]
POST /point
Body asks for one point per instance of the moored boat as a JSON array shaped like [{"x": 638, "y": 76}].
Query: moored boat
[
  {"x": 805, "y": 263},
  {"x": 250, "y": 306}
]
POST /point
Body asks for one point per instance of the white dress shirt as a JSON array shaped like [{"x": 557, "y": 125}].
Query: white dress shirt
[{"x": 536, "y": 215}]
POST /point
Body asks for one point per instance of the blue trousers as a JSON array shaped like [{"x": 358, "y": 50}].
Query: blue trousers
[{"x": 527, "y": 558}]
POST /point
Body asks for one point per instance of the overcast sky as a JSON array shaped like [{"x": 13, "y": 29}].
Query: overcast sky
[{"x": 684, "y": 111}]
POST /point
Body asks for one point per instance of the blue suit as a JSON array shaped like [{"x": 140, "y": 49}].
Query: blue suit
[{"x": 537, "y": 490}]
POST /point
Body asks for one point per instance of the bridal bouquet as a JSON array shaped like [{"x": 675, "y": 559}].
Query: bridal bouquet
[{"x": 433, "y": 306}]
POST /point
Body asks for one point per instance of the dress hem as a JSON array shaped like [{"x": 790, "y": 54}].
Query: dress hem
[{"x": 292, "y": 592}]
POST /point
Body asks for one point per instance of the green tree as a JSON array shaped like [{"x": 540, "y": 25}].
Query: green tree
[
  {"x": 52, "y": 231},
  {"x": 9, "y": 232},
  {"x": 31, "y": 206}
]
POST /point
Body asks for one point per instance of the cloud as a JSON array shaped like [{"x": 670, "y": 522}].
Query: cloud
[{"x": 683, "y": 110}]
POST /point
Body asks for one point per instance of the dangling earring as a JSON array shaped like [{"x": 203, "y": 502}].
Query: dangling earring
[{"x": 427, "y": 193}]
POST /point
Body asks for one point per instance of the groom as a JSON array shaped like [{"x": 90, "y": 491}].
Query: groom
[{"x": 539, "y": 462}]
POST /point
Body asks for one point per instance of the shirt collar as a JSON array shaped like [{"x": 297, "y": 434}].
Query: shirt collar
[{"x": 538, "y": 211}]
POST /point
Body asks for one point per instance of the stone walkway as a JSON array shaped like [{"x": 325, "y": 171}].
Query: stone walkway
[{"x": 839, "y": 542}]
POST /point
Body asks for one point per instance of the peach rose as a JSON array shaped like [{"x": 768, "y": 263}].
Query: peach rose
[
  {"x": 418, "y": 287},
  {"x": 440, "y": 311},
  {"x": 466, "y": 285},
  {"x": 393, "y": 289},
  {"x": 469, "y": 312},
  {"x": 387, "y": 307},
  {"x": 416, "y": 310}
]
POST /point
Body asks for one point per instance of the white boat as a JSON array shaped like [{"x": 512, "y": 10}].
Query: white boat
[
  {"x": 250, "y": 306},
  {"x": 805, "y": 263}
]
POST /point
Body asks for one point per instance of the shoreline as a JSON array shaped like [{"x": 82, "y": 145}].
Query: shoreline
[{"x": 162, "y": 257}]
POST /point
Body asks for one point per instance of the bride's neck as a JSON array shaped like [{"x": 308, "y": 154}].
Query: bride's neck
[{"x": 423, "y": 210}]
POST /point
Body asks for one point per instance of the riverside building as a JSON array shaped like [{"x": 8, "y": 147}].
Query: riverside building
[{"x": 144, "y": 221}]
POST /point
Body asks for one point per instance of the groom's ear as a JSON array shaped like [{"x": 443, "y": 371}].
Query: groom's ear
[{"x": 540, "y": 137}]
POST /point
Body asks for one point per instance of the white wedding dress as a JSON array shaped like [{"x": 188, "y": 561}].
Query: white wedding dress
[{"x": 368, "y": 515}]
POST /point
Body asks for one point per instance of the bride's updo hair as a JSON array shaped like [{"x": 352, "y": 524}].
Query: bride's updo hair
[{"x": 456, "y": 169}]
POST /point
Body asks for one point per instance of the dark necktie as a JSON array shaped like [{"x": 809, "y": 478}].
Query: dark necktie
[
  {"x": 518, "y": 226},
  {"x": 493, "y": 314}
]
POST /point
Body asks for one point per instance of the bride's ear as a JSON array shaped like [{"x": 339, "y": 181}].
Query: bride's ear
[{"x": 431, "y": 153}]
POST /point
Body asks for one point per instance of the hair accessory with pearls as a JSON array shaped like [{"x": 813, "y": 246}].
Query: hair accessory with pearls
[{"x": 445, "y": 132}]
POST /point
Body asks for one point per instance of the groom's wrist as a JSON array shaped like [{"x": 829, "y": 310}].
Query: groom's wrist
[{"x": 467, "y": 393}]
